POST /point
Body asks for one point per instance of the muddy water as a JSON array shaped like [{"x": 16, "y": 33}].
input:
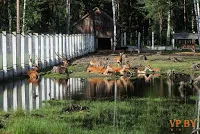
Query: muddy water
[{"x": 29, "y": 96}]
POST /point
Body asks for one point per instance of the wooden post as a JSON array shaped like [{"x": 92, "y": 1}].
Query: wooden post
[
  {"x": 111, "y": 42},
  {"x": 173, "y": 41},
  {"x": 125, "y": 43},
  {"x": 4, "y": 53},
  {"x": 152, "y": 41},
  {"x": 139, "y": 43},
  {"x": 121, "y": 40},
  {"x": 93, "y": 43}
]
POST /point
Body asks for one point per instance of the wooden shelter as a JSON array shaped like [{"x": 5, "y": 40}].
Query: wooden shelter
[
  {"x": 185, "y": 38},
  {"x": 100, "y": 24}
]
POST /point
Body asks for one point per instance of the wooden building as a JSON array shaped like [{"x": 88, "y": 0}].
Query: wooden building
[
  {"x": 100, "y": 24},
  {"x": 185, "y": 38}
]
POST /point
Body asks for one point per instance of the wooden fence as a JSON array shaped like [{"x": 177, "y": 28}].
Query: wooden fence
[{"x": 16, "y": 49}]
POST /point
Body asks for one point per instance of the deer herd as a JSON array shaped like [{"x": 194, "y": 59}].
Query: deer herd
[
  {"x": 121, "y": 66},
  {"x": 97, "y": 66}
]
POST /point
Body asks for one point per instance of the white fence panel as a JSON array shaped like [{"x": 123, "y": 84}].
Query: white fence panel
[{"x": 18, "y": 50}]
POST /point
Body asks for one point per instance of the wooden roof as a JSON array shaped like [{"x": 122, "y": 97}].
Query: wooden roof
[
  {"x": 93, "y": 11},
  {"x": 185, "y": 36}
]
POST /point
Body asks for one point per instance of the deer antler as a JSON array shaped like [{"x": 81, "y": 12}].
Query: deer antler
[{"x": 60, "y": 56}]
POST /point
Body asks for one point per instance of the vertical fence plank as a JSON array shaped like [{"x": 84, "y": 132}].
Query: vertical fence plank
[
  {"x": 60, "y": 44},
  {"x": 30, "y": 49},
  {"x": 70, "y": 46},
  {"x": 67, "y": 45},
  {"x": 22, "y": 53},
  {"x": 76, "y": 44},
  {"x": 51, "y": 50},
  {"x": 73, "y": 46},
  {"x": 14, "y": 53},
  {"x": 56, "y": 47},
  {"x": 47, "y": 50},
  {"x": 64, "y": 45},
  {"x": 36, "y": 48},
  {"x": 4, "y": 50},
  {"x": 42, "y": 50}
]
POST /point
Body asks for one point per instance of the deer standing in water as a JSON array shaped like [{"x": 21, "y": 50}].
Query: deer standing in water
[{"x": 61, "y": 69}]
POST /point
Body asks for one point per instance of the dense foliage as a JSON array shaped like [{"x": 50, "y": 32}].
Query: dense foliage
[{"x": 145, "y": 16}]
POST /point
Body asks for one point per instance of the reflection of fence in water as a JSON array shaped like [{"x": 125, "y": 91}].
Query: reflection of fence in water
[{"x": 20, "y": 94}]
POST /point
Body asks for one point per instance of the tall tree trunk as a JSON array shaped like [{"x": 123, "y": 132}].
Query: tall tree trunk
[
  {"x": 193, "y": 31},
  {"x": 196, "y": 9},
  {"x": 169, "y": 24},
  {"x": 118, "y": 9},
  {"x": 9, "y": 17},
  {"x": 18, "y": 16},
  {"x": 114, "y": 25},
  {"x": 184, "y": 12},
  {"x": 67, "y": 16},
  {"x": 160, "y": 27},
  {"x": 24, "y": 13}
]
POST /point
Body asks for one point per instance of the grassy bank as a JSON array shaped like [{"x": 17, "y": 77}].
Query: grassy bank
[
  {"x": 138, "y": 115},
  {"x": 165, "y": 62}
]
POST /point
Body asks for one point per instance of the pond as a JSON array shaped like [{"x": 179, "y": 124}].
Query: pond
[
  {"x": 142, "y": 104},
  {"x": 20, "y": 93}
]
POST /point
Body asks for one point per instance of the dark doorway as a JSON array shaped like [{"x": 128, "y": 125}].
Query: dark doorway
[{"x": 104, "y": 44}]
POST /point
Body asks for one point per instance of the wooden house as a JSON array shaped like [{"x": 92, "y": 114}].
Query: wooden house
[{"x": 100, "y": 24}]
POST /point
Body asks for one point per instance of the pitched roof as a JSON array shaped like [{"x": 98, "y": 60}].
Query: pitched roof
[{"x": 92, "y": 11}]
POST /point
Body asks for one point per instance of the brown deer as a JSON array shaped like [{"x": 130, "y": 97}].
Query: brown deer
[
  {"x": 61, "y": 69},
  {"x": 142, "y": 69},
  {"x": 120, "y": 70},
  {"x": 101, "y": 70},
  {"x": 153, "y": 69},
  {"x": 33, "y": 73},
  {"x": 119, "y": 58}
]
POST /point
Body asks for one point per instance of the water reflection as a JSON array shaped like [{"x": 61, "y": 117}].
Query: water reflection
[{"x": 29, "y": 96}]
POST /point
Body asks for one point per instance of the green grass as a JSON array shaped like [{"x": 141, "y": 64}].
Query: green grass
[{"x": 137, "y": 115}]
